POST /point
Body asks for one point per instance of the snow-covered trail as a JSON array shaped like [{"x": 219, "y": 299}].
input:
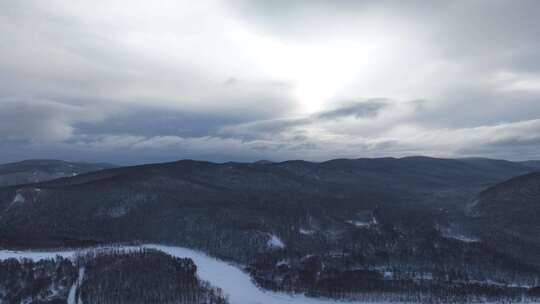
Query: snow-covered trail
[
  {"x": 73, "y": 290},
  {"x": 233, "y": 281}
]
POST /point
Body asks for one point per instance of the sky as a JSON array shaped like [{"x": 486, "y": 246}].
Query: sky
[{"x": 148, "y": 81}]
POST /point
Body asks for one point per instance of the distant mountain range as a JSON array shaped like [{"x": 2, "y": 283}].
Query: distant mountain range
[
  {"x": 416, "y": 223},
  {"x": 38, "y": 170},
  {"x": 535, "y": 164}
]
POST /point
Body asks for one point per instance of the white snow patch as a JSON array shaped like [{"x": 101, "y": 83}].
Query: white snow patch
[
  {"x": 307, "y": 256},
  {"x": 118, "y": 211},
  {"x": 364, "y": 224},
  {"x": 359, "y": 223},
  {"x": 53, "y": 291},
  {"x": 449, "y": 234},
  {"x": 494, "y": 283},
  {"x": 306, "y": 231},
  {"x": 19, "y": 198},
  {"x": 27, "y": 301},
  {"x": 275, "y": 242},
  {"x": 282, "y": 263},
  {"x": 462, "y": 238}
]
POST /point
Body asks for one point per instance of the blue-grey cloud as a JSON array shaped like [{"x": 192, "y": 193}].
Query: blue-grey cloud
[{"x": 366, "y": 109}]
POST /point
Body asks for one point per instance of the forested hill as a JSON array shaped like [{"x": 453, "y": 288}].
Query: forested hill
[
  {"x": 38, "y": 170},
  {"x": 512, "y": 206},
  {"x": 112, "y": 205},
  {"x": 296, "y": 225}
]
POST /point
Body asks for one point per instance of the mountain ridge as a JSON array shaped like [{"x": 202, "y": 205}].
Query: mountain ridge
[
  {"x": 38, "y": 170},
  {"x": 338, "y": 218}
]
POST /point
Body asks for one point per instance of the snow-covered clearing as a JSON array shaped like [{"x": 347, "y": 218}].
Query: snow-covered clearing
[
  {"x": 359, "y": 223},
  {"x": 449, "y": 233},
  {"x": 462, "y": 238},
  {"x": 275, "y": 242},
  {"x": 19, "y": 198},
  {"x": 365, "y": 223}
]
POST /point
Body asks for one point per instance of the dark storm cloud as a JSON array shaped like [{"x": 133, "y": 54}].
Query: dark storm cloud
[
  {"x": 358, "y": 110},
  {"x": 41, "y": 120},
  {"x": 364, "y": 109},
  {"x": 147, "y": 121}
]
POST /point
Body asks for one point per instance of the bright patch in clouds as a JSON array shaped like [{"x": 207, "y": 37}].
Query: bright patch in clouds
[{"x": 318, "y": 72}]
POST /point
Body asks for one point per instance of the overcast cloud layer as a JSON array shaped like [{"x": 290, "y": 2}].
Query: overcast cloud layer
[{"x": 146, "y": 81}]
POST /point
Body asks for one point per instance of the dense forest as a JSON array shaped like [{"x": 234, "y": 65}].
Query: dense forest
[
  {"x": 45, "y": 281},
  {"x": 145, "y": 276},
  {"x": 412, "y": 227},
  {"x": 106, "y": 276},
  {"x": 441, "y": 269}
]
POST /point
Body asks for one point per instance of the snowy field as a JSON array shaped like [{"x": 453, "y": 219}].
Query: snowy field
[
  {"x": 236, "y": 283},
  {"x": 233, "y": 281}
]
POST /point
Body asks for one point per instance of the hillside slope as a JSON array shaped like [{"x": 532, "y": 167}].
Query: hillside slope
[
  {"x": 38, "y": 170},
  {"x": 512, "y": 206},
  {"x": 534, "y": 164},
  {"x": 296, "y": 226},
  {"x": 113, "y": 204}
]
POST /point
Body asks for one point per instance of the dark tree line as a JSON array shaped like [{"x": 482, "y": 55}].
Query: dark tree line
[
  {"x": 353, "y": 276},
  {"x": 144, "y": 276}
]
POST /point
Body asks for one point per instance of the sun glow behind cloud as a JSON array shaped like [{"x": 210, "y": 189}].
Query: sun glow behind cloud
[
  {"x": 319, "y": 72},
  {"x": 203, "y": 66},
  {"x": 162, "y": 43}
]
